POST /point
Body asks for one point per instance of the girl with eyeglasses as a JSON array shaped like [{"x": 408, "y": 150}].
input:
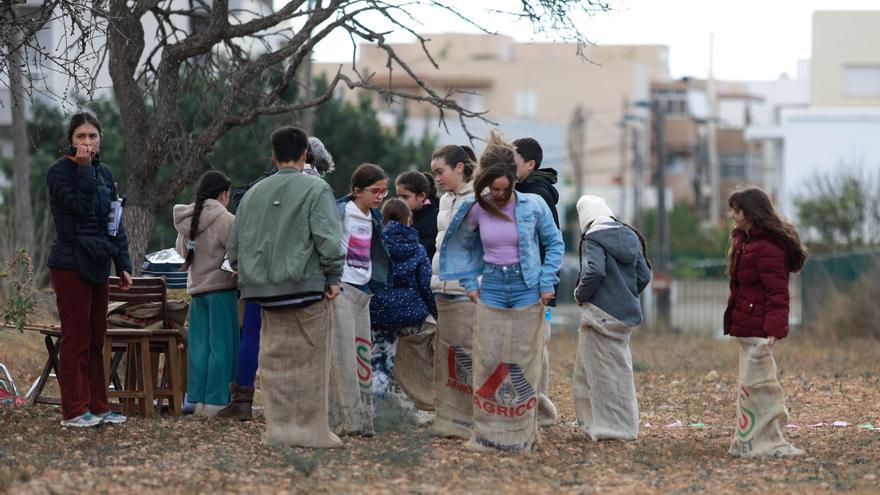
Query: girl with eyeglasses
[{"x": 367, "y": 262}]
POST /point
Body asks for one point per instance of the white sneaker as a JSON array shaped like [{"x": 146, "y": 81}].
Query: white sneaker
[
  {"x": 84, "y": 420},
  {"x": 208, "y": 410},
  {"x": 197, "y": 408},
  {"x": 112, "y": 417}
]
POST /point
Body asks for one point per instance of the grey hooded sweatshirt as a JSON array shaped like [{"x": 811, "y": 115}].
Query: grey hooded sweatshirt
[{"x": 615, "y": 271}]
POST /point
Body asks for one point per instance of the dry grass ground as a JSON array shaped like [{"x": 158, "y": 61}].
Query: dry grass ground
[{"x": 824, "y": 382}]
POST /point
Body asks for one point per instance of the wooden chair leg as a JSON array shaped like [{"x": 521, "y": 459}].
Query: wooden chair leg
[
  {"x": 146, "y": 371},
  {"x": 131, "y": 381},
  {"x": 108, "y": 365},
  {"x": 175, "y": 372},
  {"x": 155, "y": 366}
]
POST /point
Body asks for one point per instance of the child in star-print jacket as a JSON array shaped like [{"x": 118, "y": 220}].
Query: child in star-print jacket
[{"x": 402, "y": 307}]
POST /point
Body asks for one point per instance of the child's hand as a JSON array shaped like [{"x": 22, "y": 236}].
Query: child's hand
[
  {"x": 771, "y": 340},
  {"x": 332, "y": 292},
  {"x": 474, "y": 294}
]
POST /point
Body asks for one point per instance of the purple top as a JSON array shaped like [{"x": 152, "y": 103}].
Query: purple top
[{"x": 500, "y": 237}]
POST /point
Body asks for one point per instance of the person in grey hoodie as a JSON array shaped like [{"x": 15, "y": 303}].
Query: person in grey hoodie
[{"x": 614, "y": 271}]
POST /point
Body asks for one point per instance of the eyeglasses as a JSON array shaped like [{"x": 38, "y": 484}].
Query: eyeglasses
[{"x": 381, "y": 193}]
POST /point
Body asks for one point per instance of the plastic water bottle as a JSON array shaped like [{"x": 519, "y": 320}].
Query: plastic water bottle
[{"x": 547, "y": 314}]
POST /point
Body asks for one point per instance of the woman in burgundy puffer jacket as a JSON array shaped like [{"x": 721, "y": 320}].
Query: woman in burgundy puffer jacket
[{"x": 765, "y": 248}]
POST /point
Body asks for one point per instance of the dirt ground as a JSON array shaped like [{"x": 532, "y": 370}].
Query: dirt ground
[{"x": 824, "y": 382}]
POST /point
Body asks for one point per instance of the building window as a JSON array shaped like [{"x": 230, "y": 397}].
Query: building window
[
  {"x": 733, "y": 165},
  {"x": 526, "y": 103},
  {"x": 860, "y": 81}
]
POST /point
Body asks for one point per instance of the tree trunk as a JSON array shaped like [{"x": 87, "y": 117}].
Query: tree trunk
[
  {"x": 138, "y": 222},
  {"x": 24, "y": 216}
]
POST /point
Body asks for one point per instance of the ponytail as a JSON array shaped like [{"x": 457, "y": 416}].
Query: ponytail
[
  {"x": 211, "y": 185},
  {"x": 642, "y": 241},
  {"x": 432, "y": 186},
  {"x": 454, "y": 154}
]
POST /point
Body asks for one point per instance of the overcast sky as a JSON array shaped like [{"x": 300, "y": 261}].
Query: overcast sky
[{"x": 754, "y": 39}]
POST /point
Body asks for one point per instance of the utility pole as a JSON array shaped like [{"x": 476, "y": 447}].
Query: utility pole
[
  {"x": 712, "y": 141},
  {"x": 24, "y": 221},
  {"x": 662, "y": 279},
  {"x": 621, "y": 208},
  {"x": 638, "y": 180},
  {"x": 577, "y": 141}
]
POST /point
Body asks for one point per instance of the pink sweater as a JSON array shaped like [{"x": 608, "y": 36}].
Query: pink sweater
[{"x": 499, "y": 236}]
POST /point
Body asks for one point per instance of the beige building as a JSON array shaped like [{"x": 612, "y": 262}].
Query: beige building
[
  {"x": 540, "y": 82},
  {"x": 846, "y": 59},
  {"x": 686, "y": 108}
]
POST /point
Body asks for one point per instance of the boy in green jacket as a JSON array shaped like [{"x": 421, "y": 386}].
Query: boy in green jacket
[{"x": 285, "y": 248}]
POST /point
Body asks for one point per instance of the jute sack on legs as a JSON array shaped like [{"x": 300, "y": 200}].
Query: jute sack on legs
[
  {"x": 508, "y": 356},
  {"x": 414, "y": 364},
  {"x": 351, "y": 385},
  {"x": 546, "y": 409},
  {"x": 453, "y": 369},
  {"x": 604, "y": 388},
  {"x": 294, "y": 376},
  {"x": 760, "y": 407}
]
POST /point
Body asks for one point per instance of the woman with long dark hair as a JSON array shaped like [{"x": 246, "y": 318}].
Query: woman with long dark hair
[
  {"x": 203, "y": 229},
  {"x": 765, "y": 248},
  {"x": 82, "y": 197}
]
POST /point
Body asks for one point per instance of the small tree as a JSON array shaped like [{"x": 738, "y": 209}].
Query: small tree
[
  {"x": 250, "y": 60},
  {"x": 840, "y": 209}
]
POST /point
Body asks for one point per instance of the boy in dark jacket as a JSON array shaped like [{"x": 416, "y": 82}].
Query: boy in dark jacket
[
  {"x": 531, "y": 178},
  {"x": 403, "y": 306}
]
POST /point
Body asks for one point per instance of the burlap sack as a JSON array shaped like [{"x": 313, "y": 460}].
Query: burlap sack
[
  {"x": 760, "y": 407},
  {"x": 294, "y": 376},
  {"x": 508, "y": 357},
  {"x": 546, "y": 409},
  {"x": 414, "y": 364},
  {"x": 604, "y": 387},
  {"x": 351, "y": 384},
  {"x": 453, "y": 369}
]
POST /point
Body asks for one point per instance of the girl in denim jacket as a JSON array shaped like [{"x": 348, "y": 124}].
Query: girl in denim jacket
[{"x": 497, "y": 235}]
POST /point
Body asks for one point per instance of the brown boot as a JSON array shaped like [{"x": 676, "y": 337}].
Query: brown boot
[{"x": 240, "y": 405}]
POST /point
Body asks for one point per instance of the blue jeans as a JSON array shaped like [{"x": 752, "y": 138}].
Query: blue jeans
[
  {"x": 504, "y": 287},
  {"x": 250, "y": 345}
]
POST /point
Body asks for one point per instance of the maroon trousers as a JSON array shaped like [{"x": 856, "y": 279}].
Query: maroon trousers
[{"x": 83, "y": 310}]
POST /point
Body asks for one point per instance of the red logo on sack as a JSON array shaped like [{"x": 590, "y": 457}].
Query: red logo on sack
[
  {"x": 460, "y": 367},
  {"x": 506, "y": 392}
]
